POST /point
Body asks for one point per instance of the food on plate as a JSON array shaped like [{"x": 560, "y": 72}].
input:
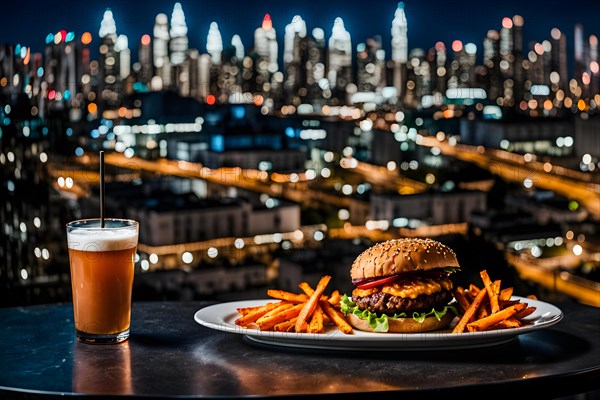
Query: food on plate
[
  {"x": 307, "y": 312},
  {"x": 402, "y": 286},
  {"x": 489, "y": 307}
]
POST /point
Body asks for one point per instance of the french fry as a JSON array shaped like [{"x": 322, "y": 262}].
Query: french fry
[
  {"x": 252, "y": 316},
  {"x": 490, "y": 287},
  {"x": 306, "y": 288},
  {"x": 532, "y": 297},
  {"x": 508, "y": 323},
  {"x": 505, "y": 294},
  {"x": 288, "y": 296},
  {"x": 461, "y": 299},
  {"x": 525, "y": 312},
  {"x": 281, "y": 307},
  {"x": 284, "y": 315},
  {"x": 286, "y": 326},
  {"x": 309, "y": 307},
  {"x": 335, "y": 297},
  {"x": 482, "y": 311},
  {"x": 485, "y": 323},
  {"x": 472, "y": 292},
  {"x": 470, "y": 313},
  {"x": 316, "y": 321},
  {"x": 474, "y": 289},
  {"x": 246, "y": 310},
  {"x": 337, "y": 317},
  {"x": 497, "y": 287}
]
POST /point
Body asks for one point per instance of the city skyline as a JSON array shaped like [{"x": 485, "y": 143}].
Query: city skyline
[{"x": 243, "y": 18}]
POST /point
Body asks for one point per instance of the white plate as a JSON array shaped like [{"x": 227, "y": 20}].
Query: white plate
[{"x": 222, "y": 317}]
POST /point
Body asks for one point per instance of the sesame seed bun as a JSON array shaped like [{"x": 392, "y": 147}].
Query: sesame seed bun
[{"x": 396, "y": 256}]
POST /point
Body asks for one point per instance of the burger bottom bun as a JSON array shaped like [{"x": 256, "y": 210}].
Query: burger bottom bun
[{"x": 404, "y": 325}]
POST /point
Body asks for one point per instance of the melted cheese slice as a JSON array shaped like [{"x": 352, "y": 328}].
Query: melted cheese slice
[{"x": 408, "y": 288}]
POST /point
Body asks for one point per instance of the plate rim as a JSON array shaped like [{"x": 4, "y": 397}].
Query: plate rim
[{"x": 217, "y": 317}]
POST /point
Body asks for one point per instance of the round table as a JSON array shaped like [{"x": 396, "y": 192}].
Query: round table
[{"x": 169, "y": 355}]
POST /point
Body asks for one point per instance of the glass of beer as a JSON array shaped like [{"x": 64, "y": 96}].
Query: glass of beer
[{"x": 102, "y": 261}]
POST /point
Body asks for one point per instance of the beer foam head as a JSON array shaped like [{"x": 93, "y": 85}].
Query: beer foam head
[{"x": 102, "y": 239}]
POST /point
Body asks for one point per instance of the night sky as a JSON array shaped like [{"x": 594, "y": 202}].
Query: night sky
[{"x": 28, "y": 22}]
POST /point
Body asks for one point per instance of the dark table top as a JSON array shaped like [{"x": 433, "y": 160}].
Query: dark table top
[{"x": 170, "y": 355}]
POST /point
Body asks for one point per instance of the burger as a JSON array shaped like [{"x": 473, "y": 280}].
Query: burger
[{"x": 402, "y": 286}]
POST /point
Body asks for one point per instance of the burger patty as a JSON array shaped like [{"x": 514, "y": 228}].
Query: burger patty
[{"x": 388, "y": 304}]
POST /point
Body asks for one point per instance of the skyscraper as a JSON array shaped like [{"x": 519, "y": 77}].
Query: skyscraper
[
  {"x": 517, "y": 55},
  {"x": 579, "y": 52},
  {"x": 265, "y": 48},
  {"x": 400, "y": 35},
  {"x": 236, "y": 41},
  {"x": 179, "y": 40},
  {"x": 491, "y": 61},
  {"x": 441, "y": 71},
  {"x": 295, "y": 55},
  {"x": 399, "y": 50},
  {"x": 214, "y": 46},
  {"x": 315, "y": 68},
  {"x": 593, "y": 67},
  {"x": 265, "y": 43},
  {"x": 507, "y": 62},
  {"x": 122, "y": 48},
  {"x": 340, "y": 60},
  {"x": 370, "y": 65},
  {"x": 109, "y": 86},
  {"x": 160, "y": 54},
  {"x": 559, "y": 59},
  {"x": 145, "y": 61},
  {"x": 214, "y": 43}
]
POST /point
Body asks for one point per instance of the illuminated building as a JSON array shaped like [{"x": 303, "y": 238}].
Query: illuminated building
[
  {"x": 507, "y": 62},
  {"x": 339, "y": 72},
  {"x": 316, "y": 82},
  {"x": 203, "y": 76},
  {"x": 491, "y": 61},
  {"x": 145, "y": 61},
  {"x": 60, "y": 70},
  {"x": 559, "y": 59},
  {"x": 265, "y": 44},
  {"x": 440, "y": 72},
  {"x": 418, "y": 82},
  {"x": 236, "y": 41},
  {"x": 579, "y": 52},
  {"x": 193, "y": 83},
  {"x": 109, "y": 87},
  {"x": 178, "y": 46},
  {"x": 85, "y": 63},
  {"x": 370, "y": 65},
  {"x": 537, "y": 67},
  {"x": 399, "y": 50},
  {"x": 122, "y": 47},
  {"x": 268, "y": 79},
  {"x": 517, "y": 54},
  {"x": 295, "y": 56},
  {"x": 214, "y": 44},
  {"x": 430, "y": 208},
  {"x": 230, "y": 79},
  {"x": 160, "y": 53},
  {"x": 178, "y": 33}
]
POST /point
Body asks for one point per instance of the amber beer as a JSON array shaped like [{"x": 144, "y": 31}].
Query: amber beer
[{"x": 102, "y": 261}]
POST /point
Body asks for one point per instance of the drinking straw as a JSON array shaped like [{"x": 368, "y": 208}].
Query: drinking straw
[{"x": 101, "y": 189}]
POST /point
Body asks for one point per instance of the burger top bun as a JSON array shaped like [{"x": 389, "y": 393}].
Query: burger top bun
[
  {"x": 402, "y": 255},
  {"x": 405, "y": 325}
]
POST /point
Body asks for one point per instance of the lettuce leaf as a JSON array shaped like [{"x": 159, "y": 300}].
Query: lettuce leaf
[{"x": 379, "y": 322}]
